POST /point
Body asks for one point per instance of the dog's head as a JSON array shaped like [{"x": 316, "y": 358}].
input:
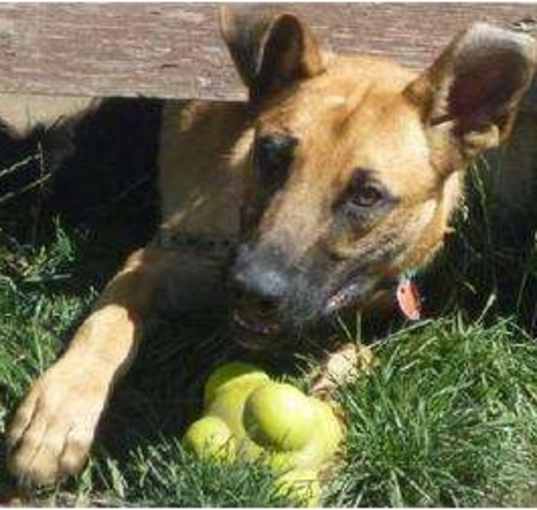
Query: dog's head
[{"x": 356, "y": 163}]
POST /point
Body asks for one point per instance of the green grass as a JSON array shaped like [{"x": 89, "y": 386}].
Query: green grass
[{"x": 448, "y": 418}]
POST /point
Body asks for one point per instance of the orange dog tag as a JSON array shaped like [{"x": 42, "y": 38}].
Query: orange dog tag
[{"x": 409, "y": 299}]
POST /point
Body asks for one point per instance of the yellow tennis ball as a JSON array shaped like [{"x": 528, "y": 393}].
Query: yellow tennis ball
[
  {"x": 279, "y": 416},
  {"x": 229, "y": 406},
  {"x": 330, "y": 430},
  {"x": 210, "y": 437},
  {"x": 234, "y": 374}
]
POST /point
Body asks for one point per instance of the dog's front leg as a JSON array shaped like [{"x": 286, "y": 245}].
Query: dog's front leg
[{"x": 52, "y": 431}]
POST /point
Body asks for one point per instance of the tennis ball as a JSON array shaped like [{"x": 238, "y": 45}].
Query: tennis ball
[
  {"x": 279, "y": 416},
  {"x": 210, "y": 437},
  {"x": 229, "y": 406},
  {"x": 235, "y": 374},
  {"x": 330, "y": 430},
  {"x": 301, "y": 484}
]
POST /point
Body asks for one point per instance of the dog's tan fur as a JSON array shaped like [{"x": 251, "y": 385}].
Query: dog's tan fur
[{"x": 353, "y": 117}]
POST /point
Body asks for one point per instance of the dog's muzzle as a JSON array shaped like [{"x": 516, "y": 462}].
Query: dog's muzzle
[
  {"x": 262, "y": 275},
  {"x": 273, "y": 299},
  {"x": 260, "y": 282}
]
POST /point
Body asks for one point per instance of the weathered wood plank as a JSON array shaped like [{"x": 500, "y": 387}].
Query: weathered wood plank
[{"x": 175, "y": 50}]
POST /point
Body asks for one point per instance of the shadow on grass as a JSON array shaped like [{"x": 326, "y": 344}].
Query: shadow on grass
[{"x": 488, "y": 268}]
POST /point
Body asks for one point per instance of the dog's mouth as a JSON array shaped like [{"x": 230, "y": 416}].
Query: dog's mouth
[
  {"x": 362, "y": 293},
  {"x": 347, "y": 296},
  {"x": 263, "y": 318},
  {"x": 354, "y": 292},
  {"x": 260, "y": 326},
  {"x": 256, "y": 317},
  {"x": 256, "y": 322}
]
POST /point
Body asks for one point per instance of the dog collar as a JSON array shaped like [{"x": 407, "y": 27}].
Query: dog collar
[{"x": 198, "y": 243}]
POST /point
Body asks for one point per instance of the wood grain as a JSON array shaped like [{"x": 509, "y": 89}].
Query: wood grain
[{"x": 175, "y": 50}]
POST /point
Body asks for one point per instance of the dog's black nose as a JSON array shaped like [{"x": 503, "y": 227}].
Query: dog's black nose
[{"x": 260, "y": 273}]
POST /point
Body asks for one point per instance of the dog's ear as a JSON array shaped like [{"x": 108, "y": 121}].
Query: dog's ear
[
  {"x": 472, "y": 92},
  {"x": 269, "y": 51}
]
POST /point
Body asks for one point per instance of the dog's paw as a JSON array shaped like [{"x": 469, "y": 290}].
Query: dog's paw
[{"x": 51, "y": 434}]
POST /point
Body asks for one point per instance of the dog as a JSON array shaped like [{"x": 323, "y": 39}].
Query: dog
[{"x": 337, "y": 175}]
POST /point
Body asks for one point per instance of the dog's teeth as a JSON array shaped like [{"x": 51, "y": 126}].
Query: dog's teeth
[
  {"x": 255, "y": 326},
  {"x": 334, "y": 303}
]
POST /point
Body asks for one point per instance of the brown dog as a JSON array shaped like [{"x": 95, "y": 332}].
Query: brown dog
[{"x": 339, "y": 174}]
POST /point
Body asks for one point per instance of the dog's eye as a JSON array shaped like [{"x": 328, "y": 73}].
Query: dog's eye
[
  {"x": 273, "y": 155},
  {"x": 364, "y": 195},
  {"x": 367, "y": 196}
]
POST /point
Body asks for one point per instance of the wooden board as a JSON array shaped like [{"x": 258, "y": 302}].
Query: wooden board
[{"x": 175, "y": 50}]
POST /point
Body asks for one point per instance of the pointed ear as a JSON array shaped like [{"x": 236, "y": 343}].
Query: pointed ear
[
  {"x": 473, "y": 90},
  {"x": 270, "y": 52}
]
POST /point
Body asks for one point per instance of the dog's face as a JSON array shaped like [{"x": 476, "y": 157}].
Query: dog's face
[
  {"x": 356, "y": 162},
  {"x": 342, "y": 195}
]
